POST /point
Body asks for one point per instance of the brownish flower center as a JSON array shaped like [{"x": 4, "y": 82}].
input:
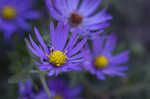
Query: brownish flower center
[{"x": 75, "y": 19}]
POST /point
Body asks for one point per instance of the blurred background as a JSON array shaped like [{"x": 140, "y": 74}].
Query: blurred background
[{"x": 131, "y": 23}]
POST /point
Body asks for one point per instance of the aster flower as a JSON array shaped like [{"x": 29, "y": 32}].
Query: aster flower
[
  {"x": 13, "y": 15},
  {"x": 63, "y": 55},
  {"x": 60, "y": 90},
  {"x": 25, "y": 90},
  {"x": 100, "y": 60},
  {"x": 80, "y": 16}
]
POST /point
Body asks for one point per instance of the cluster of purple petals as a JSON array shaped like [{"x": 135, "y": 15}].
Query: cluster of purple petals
[
  {"x": 58, "y": 38},
  {"x": 102, "y": 45},
  {"x": 24, "y": 11},
  {"x": 25, "y": 90},
  {"x": 61, "y": 88},
  {"x": 105, "y": 46},
  {"x": 57, "y": 87},
  {"x": 92, "y": 23}
]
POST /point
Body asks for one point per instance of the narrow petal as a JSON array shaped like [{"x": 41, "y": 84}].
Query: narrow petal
[
  {"x": 120, "y": 58},
  {"x": 78, "y": 47},
  {"x": 97, "y": 45},
  {"x": 61, "y": 6},
  {"x": 53, "y": 12},
  {"x": 72, "y": 41},
  {"x": 80, "y": 55},
  {"x": 33, "y": 43},
  {"x": 62, "y": 35},
  {"x": 43, "y": 66},
  {"x": 51, "y": 72},
  {"x": 91, "y": 8},
  {"x": 40, "y": 39},
  {"x": 110, "y": 43},
  {"x": 84, "y": 5},
  {"x": 98, "y": 26},
  {"x": 32, "y": 49},
  {"x": 52, "y": 33},
  {"x": 23, "y": 24},
  {"x": 7, "y": 35},
  {"x": 31, "y": 15},
  {"x": 98, "y": 18},
  {"x": 73, "y": 4},
  {"x": 77, "y": 61},
  {"x": 58, "y": 35},
  {"x": 100, "y": 75}
]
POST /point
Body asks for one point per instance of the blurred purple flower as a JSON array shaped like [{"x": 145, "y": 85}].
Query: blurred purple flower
[
  {"x": 60, "y": 90},
  {"x": 100, "y": 60},
  {"x": 63, "y": 55},
  {"x": 13, "y": 16},
  {"x": 80, "y": 16},
  {"x": 25, "y": 90}
]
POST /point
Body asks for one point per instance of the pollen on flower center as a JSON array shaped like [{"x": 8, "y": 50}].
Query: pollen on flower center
[
  {"x": 57, "y": 97},
  {"x": 101, "y": 62},
  {"x": 57, "y": 58},
  {"x": 8, "y": 13},
  {"x": 75, "y": 19}
]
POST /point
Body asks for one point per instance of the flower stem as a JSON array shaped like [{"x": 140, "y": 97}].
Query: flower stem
[{"x": 43, "y": 80}]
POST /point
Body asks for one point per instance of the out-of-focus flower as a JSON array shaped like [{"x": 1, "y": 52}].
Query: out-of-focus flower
[
  {"x": 80, "y": 16},
  {"x": 60, "y": 90},
  {"x": 100, "y": 60},
  {"x": 63, "y": 55},
  {"x": 25, "y": 90},
  {"x": 13, "y": 16}
]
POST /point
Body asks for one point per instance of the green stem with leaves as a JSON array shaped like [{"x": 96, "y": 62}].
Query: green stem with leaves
[{"x": 43, "y": 80}]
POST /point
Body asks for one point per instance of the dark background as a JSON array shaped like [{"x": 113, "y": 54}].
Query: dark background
[{"x": 131, "y": 23}]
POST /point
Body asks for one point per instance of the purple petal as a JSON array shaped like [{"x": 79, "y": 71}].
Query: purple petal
[
  {"x": 53, "y": 12},
  {"x": 98, "y": 26},
  {"x": 98, "y": 18},
  {"x": 73, "y": 4},
  {"x": 100, "y": 76},
  {"x": 52, "y": 33},
  {"x": 84, "y": 5},
  {"x": 72, "y": 41},
  {"x": 110, "y": 43},
  {"x": 77, "y": 61},
  {"x": 33, "y": 43},
  {"x": 120, "y": 58},
  {"x": 80, "y": 55},
  {"x": 51, "y": 72},
  {"x": 23, "y": 24},
  {"x": 62, "y": 7},
  {"x": 90, "y": 7},
  {"x": 32, "y": 49},
  {"x": 57, "y": 41},
  {"x": 78, "y": 47},
  {"x": 31, "y": 15},
  {"x": 98, "y": 45},
  {"x": 40, "y": 39}
]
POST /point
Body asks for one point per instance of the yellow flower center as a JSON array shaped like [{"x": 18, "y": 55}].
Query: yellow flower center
[
  {"x": 57, "y": 58},
  {"x": 101, "y": 62},
  {"x": 8, "y": 12},
  {"x": 57, "y": 97}
]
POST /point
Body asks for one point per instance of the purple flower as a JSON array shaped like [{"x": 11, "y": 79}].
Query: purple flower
[
  {"x": 13, "y": 15},
  {"x": 80, "y": 16},
  {"x": 63, "y": 55},
  {"x": 60, "y": 90},
  {"x": 100, "y": 60},
  {"x": 25, "y": 90}
]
